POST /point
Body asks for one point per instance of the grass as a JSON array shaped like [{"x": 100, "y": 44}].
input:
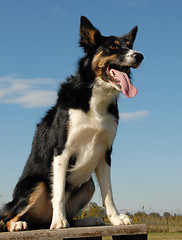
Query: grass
[
  {"x": 160, "y": 228},
  {"x": 161, "y": 224},
  {"x": 159, "y": 236},
  {"x": 164, "y": 236}
]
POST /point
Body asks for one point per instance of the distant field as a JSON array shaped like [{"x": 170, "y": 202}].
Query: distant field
[
  {"x": 159, "y": 236},
  {"x": 172, "y": 224},
  {"x": 165, "y": 236}
]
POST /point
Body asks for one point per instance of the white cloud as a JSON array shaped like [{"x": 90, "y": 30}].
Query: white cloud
[
  {"x": 41, "y": 92},
  {"x": 28, "y": 93},
  {"x": 131, "y": 116}
]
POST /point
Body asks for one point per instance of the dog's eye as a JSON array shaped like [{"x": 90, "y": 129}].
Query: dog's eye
[{"x": 112, "y": 47}]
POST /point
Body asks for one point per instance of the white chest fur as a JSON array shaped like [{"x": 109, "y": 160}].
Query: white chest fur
[{"x": 89, "y": 136}]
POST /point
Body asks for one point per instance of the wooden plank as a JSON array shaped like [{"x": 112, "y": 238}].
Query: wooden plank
[{"x": 66, "y": 233}]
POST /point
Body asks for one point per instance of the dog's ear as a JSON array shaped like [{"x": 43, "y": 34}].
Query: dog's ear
[
  {"x": 132, "y": 34},
  {"x": 89, "y": 35},
  {"x": 130, "y": 37}
]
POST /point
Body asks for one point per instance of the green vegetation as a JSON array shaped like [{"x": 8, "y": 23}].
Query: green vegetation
[
  {"x": 160, "y": 227},
  {"x": 93, "y": 210},
  {"x": 155, "y": 222}
]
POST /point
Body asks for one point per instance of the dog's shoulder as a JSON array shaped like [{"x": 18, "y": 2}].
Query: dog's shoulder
[{"x": 74, "y": 93}]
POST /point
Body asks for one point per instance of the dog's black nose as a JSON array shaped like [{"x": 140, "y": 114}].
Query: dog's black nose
[{"x": 139, "y": 57}]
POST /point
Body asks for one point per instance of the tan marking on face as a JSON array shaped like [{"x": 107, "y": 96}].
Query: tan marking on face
[
  {"x": 128, "y": 43},
  {"x": 99, "y": 62}
]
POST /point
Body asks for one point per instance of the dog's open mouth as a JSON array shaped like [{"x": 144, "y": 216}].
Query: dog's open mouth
[{"x": 118, "y": 76}]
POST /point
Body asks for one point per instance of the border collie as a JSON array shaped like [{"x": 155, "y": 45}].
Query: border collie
[{"x": 75, "y": 139}]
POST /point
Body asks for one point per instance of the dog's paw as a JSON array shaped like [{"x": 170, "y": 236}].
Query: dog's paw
[
  {"x": 60, "y": 223},
  {"x": 126, "y": 220},
  {"x": 121, "y": 219},
  {"x": 17, "y": 226}
]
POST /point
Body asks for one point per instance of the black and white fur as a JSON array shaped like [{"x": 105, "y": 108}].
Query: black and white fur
[{"x": 73, "y": 141}]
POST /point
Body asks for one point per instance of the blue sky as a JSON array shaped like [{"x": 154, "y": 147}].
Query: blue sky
[{"x": 39, "y": 49}]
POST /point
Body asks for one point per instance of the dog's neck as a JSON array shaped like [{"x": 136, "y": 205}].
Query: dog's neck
[{"x": 102, "y": 96}]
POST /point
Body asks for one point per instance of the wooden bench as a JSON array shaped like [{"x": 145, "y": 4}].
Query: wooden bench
[{"x": 131, "y": 232}]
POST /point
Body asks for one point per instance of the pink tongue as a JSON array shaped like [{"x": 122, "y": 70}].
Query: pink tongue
[{"x": 127, "y": 88}]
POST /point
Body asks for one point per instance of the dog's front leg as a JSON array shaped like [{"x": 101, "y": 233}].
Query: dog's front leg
[
  {"x": 60, "y": 166},
  {"x": 103, "y": 176}
]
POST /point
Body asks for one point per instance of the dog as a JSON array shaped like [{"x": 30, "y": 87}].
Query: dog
[{"x": 75, "y": 138}]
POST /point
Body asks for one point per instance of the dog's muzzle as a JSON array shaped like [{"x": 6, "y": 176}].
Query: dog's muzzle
[{"x": 138, "y": 57}]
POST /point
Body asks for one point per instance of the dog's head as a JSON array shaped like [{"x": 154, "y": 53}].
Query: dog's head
[{"x": 112, "y": 57}]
